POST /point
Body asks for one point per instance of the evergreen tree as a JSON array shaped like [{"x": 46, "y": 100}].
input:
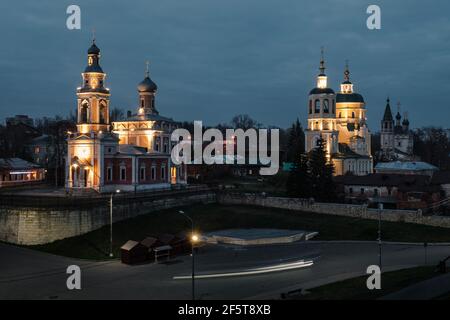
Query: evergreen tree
[
  {"x": 296, "y": 142},
  {"x": 321, "y": 173},
  {"x": 298, "y": 183}
]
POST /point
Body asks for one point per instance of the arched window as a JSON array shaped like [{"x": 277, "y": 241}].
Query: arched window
[
  {"x": 326, "y": 106},
  {"x": 353, "y": 115},
  {"x": 84, "y": 112},
  {"x": 317, "y": 106},
  {"x": 103, "y": 112},
  {"x": 310, "y": 106},
  {"x": 333, "y": 107},
  {"x": 340, "y": 114}
]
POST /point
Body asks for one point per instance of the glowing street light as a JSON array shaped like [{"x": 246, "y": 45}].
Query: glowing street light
[
  {"x": 111, "y": 224},
  {"x": 194, "y": 238}
]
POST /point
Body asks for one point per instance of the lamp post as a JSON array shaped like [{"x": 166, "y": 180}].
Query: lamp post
[
  {"x": 194, "y": 238},
  {"x": 380, "y": 209},
  {"x": 111, "y": 224}
]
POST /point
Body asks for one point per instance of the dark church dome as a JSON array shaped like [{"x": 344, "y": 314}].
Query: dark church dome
[
  {"x": 147, "y": 85},
  {"x": 93, "y": 49},
  {"x": 349, "y": 97}
]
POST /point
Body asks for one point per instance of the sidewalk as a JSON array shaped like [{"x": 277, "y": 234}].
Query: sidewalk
[{"x": 425, "y": 290}]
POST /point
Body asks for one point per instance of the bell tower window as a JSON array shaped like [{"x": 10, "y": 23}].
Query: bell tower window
[
  {"x": 84, "y": 112},
  {"x": 103, "y": 112},
  {"x": 317, "y": 106},
  {"x": 326, "y": 106}
]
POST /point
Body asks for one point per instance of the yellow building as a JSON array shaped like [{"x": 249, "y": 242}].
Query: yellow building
[{"x": 340, "y": 120}]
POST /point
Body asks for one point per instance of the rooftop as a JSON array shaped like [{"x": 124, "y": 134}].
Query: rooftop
[
  {"x": 16, "y": 163},
  {"x": 406, "y": 166}
]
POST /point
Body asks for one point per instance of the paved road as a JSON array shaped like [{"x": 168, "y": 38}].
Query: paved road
[{"x": 27, "y": 274}]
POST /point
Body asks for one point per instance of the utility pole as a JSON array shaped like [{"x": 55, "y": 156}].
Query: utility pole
[{"x": 380, "y": 209}]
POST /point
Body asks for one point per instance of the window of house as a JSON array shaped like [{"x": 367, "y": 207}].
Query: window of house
[
  {"x": 310, "y": 106},
  {"x": 375, "y": 192},
  {"x": 153, "y": 173},
  {"x": 142, "y": 173},
  {"x": 109, "y": 174},
  {"x": 163, "y": 173},
  {"x": 350, "y": 190},
  {"x": 362, "y": 190},
  {"x": 123, "y": 173},
  {"x": 353, "y": 115}
]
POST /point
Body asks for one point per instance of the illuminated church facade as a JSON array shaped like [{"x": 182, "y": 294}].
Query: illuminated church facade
[
  {"x": 128, "y": 155},
  {"x": 340, "y": 121}
]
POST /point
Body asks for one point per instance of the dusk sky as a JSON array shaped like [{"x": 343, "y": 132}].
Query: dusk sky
[{"x": 213, "y": 59}]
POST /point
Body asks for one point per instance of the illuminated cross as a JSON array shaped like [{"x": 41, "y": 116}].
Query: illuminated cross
[{"x": 93, "y": 35}]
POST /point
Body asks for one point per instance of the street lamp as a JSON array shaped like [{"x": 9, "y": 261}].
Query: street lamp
[
  {"x": 111, "y": 224},
  {"x": 193, "y": 239},
  {"x": 380, "y": 209}
]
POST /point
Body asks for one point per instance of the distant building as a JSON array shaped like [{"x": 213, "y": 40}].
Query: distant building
[
  {"x": 39, "y": 149},
  {"x": 19, "y": 119},
  {"x": 442, "y": 178},
  {"x": 408, "y": 167},
  {"x": 16, "y": 171},
  {"x": 397, "y": 191},
  {"x": 397, "y": 140}
]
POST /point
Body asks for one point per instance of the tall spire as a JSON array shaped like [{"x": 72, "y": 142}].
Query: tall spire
[
  {"x": 322, "y": 61},
  {"x": 387, "y": 112}
]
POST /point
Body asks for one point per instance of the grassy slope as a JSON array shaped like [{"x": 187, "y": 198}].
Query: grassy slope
[
  {"x": 356, "y": 289},
  {"x": 95, "y": 245}
]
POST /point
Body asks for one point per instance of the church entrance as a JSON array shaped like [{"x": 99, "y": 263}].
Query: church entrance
[
  {"x": 173, "y": 175},
  {"x": 81, "y": 177}
]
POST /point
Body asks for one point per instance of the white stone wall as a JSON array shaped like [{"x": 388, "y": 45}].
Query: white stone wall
[
  {"x": 31, "y": 226},
  {"x": 357, "y": 211}
]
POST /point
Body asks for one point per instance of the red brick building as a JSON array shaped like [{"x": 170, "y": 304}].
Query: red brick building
[{"x": 128, "y": 155}]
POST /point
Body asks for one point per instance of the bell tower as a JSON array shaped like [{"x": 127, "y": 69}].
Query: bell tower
[
  {"x": 322, "y": 115},
  {"x": 147, "y": 92},
  {"x": 92, "y": 96}
]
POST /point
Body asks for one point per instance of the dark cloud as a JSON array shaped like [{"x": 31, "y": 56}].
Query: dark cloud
[{"x": 212, "y": 59}]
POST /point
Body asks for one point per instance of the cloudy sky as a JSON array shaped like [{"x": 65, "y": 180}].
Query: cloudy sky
[{"x": 213, "y": 59}]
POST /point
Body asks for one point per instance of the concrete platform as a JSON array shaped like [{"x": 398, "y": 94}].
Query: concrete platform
[{"x": 251, "y": 237}]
